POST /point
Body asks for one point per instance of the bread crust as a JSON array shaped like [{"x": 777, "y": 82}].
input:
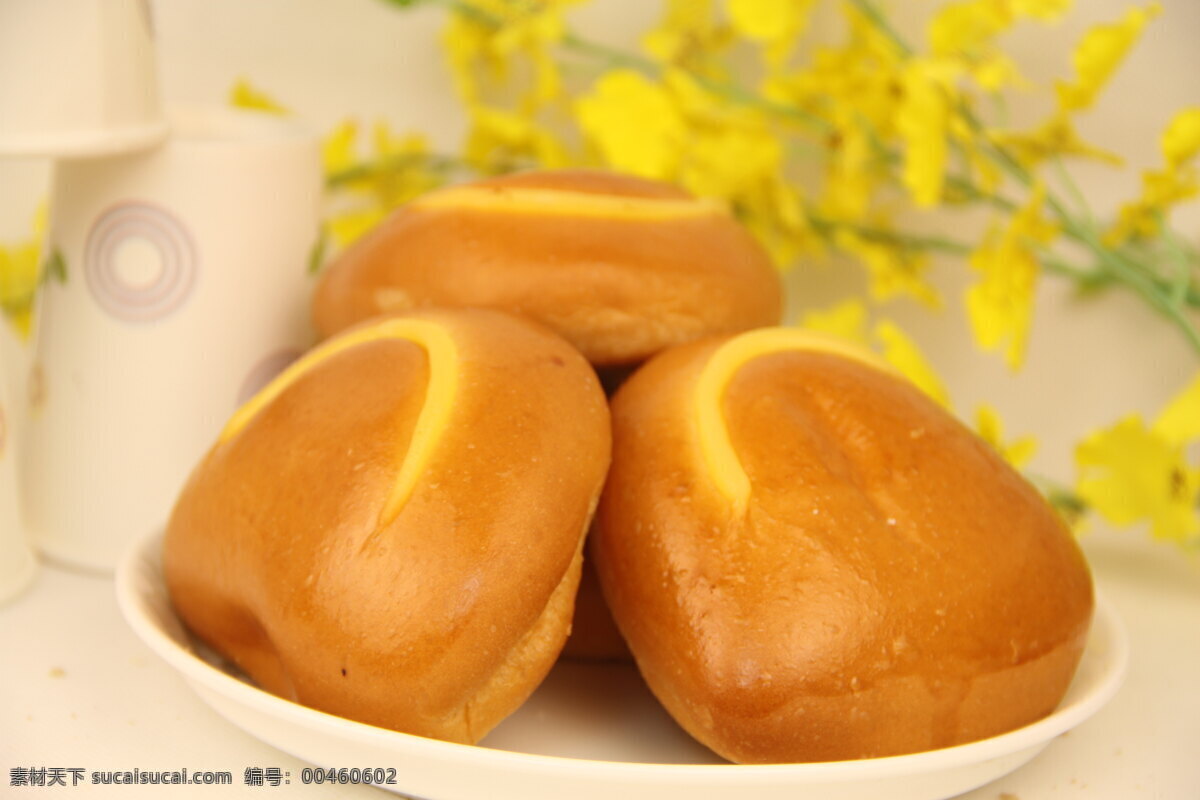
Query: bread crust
[
  {"x": 890, "y": 586},
  {"x": 621, "y": 267},
  {"x": 442, "y": 619}
]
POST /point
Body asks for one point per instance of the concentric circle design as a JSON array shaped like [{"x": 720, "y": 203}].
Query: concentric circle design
[{"x": 165, "y": 274}]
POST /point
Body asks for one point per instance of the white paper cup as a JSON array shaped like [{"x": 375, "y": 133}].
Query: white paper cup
[
  {"x": 187, "y": 288},
  {"x": 17, "y": 562},
  {"x": 77, "y": 77}
]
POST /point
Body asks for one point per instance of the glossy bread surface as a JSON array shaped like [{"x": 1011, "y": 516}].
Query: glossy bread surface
[
  {"x": 620, "y": 266},
  {"x": 392, "y": 531},
  {"x": 888, "y": 585}
]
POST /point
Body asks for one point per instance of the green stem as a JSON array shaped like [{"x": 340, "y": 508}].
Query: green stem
[
  {"x": 723, "y": 89},
  {"x": 1072, "y": 187},
  {"x": 613, "y": 55},
  {"x": 1069, "y": 504},
  {"x": 1166, "y": 296},
  {"x": 381, "y": 166},
  {"x": 1179, "y": 286},
  {"x": 1132, "y": 275},
  {"x": 962, "y": 184},
  {"x": 827, "y": 227},
  {"x": 1085, "y": 278},
  {"x": 1121, "y": 268},
  {"x": 573, "y": 42},
  {"x": 882, "y": 24}
]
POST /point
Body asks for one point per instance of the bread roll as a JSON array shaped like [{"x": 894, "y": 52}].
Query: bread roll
[
  {"x": 621, "y": 267},
  {"x": 812, "y": 561},
  {"x": 391, "y": 531}
]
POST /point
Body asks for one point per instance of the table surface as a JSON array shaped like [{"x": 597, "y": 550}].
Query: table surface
[{"x": 78, "y": 690}]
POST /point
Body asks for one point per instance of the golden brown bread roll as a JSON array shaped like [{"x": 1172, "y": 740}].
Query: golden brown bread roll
[
  {"x": 620, "y": 266},
  {"x": 391, "y": 531},
  {"x": 811, "y": 560}
]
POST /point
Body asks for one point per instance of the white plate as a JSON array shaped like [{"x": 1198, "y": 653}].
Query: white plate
[{"x": 594, "y": 731}]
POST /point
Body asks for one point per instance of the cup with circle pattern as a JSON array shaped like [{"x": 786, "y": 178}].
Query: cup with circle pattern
[
  {"x": 186, "y": 267},
  {"x": 17, "y": 562}
]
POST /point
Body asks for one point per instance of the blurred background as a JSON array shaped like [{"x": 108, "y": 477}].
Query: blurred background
[{"x": 1090, "y": 360}]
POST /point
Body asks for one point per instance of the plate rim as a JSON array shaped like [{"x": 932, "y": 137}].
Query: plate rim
[{"x": 131, "y": 576}]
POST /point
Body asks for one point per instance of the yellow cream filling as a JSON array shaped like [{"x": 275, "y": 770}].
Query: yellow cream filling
[
  {"x": 566, "y": 203},
  {"x": 435, "y": 413},
  {"x": 719, "y": 458}
]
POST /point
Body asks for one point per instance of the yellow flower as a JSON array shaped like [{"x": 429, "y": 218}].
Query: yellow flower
[
  {"x": 849, "y": 180},
  {"x": 902, "y": 353},
  {"x": 731, "y": 161},
  {"x": 1165, "y": 188},
  {"x": 534, "y": 38},
  {"x": 846, "y": 320},
  {"x": 1129, "y": 473},
  {"x": 995, "y": 71},
  {"x": 689, "y": 34},
  {"x": 923, "y": 120},
  {"x": 1181, "y": 140},
  {"x": 500, "y": 141},
  {"x": 485, "y": 37},
  {"x": 732, "y": 150},
  {"x": 634, "y": 124},
  {"x": 346, "y": 227},
  {"x": 984, "y": 171},
  {"x": 1000, "y": 305},
  {"x": 245, "y": 95},
  {"x": 1161, "y": 189},
  {"x": 403, "y": 168},
  {"x": 18, "y": 283},
  {"x": 891, "y": 270},
  {"x": 966, "y": 33},
  {"x": 1044, "y": 10},
  {"x": 867, "y": 40},
  {"x": 854, "y": 85},
  {"x": 21, "y": 274},
  {"x": 339, "y": 148},
  {"x": 777, "y": 24},
  {"x": 1053, "y": 138},
  {"x": 970, "y": 27},
  {"x": 465, "y": 42},
  {"x": 768, "y": 20},
  {"x": 774, "y": 213},
  {"x": 991, "y": 430},
  {"x": 1179, "y": 422},
  {"x": 396, "y": 169},
  {"x": 965, "y": 27},
  {"x": 1097, "y": 56}
]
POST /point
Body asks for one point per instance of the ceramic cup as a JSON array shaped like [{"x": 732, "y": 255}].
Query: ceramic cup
[
  {"x": 186, "y": 289},
  {"x": 17, "y": 563},
  {"x": 77, "y": 77}
]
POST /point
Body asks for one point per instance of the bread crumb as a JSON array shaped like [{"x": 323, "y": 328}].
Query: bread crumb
[{"x": 57, "y": 672}]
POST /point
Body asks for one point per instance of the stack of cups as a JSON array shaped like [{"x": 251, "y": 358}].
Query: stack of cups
[
  {"x": 181, "y": 244},
  {"x": 16, "y": 558}
]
